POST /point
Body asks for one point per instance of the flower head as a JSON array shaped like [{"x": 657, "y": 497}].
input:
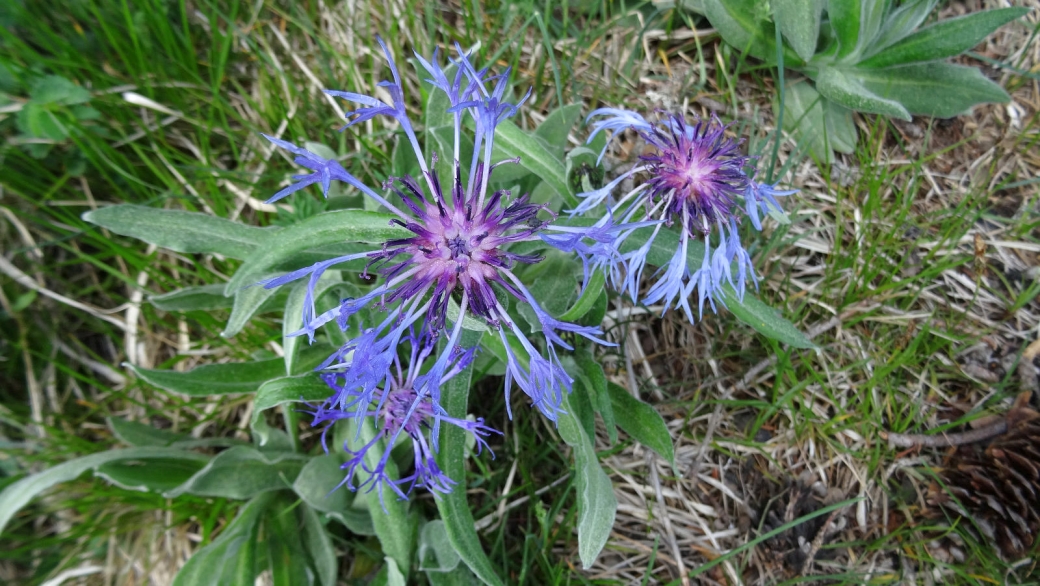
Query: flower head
[
  {"x": 454, "y": 254},
  {"x": 405, "y": 406},
  {"x": 697, "y": 175}
]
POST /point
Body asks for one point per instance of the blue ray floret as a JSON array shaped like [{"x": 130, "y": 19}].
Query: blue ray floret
[
  {"x": 453, "y": 259},
  {"x": 696, "y": 179}
]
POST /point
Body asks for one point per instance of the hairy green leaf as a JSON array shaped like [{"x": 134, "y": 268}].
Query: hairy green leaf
[
  {"x": 55, "y": 89},
  {"x": 596, "y": 380},
  {"x": 943, "y": 39},
  {"x": 320, "y": 230},
  {"x": 248, "y": 302},
  {"x": 766, "y": 320},
  {"x": 226, "y": 378},
  {"x": 202, "y": 298},
  {"x": 818, "y": 122},
  {"x": 743, "y": 24},
  {"x": 142, "y": 435},
  {"x": 642, "y": 422},
  {"x": 151, "y": 474},
  {"x": 588, "y": 298},
  {"x": 846, "y": 18},
  {"x": 318, "y": 484},
  {"x": 557, "y": 126},
  {"x": 536, "y": 156},
  {"x": 943, "y": 90},
  {"x": 306, "y": 388},
  {"x": 231, "y": 559},
  {"x": 390, "y": 519},
  {"x": 292, "y": 318},
  {"x": 181, "y": 231},
  {"x": 597, "y": 505},
  {"x": 848, "y": 91},
  {"x": 318, "y": 544},
  {"x": 242, "y": 472},
  {"x": 900, "y": 23},
  {"x": 435, "y": 550},
  {"x": 799, "y": 22},
  {"x": 454, "y": 506},
  {"x": 287, "y": 560},
  {"x": 20, "y": 492}
]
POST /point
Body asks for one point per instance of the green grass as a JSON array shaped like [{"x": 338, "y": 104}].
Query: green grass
[{"x": 223, "y": 68}]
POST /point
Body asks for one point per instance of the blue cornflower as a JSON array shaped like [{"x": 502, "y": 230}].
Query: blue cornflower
[
  {"x": 404, "y": 406},
  {"x": 457, "y": 250},
  {"x": 696, "y": 177}
]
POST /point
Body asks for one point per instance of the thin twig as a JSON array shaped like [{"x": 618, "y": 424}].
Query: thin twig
[
  {"x": 26, "y": 281},
  {"x": 945, "y": 440},
  {"x": 817, "y": 542}
]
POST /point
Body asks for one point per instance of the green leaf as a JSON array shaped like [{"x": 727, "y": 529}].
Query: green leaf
[
  {"x": 460, "y": 576},
  {"x": 307, "y": 388},
  {"x": 292, "y": 320},
  {"x": 799, "y": 22},
  {"x": 535, "y": 155},
  {"x": 743, "y": 25},
  {"x": 319, "y": 486},
  {"x": 54, "y": 89},
  {"x": 226, "y": 378},
  {"x": 319, "y": 547},
  {"x": 581, "y": 400},
  {"x": 437, "y": 103},
  {"x": 557, "y": 126},
  {"x": 181, "y": 231},
  {"x": 390, "y": 518},
  {"x": 202, "y": 298},
  {"x": 901, "y": 22},
  {"x": 242, "y": 472},
  {"x": 19, "y": 493},
  {"x": 287, "y": 560},
  {"x": 764, "y": 319},
  {"x": 320, "y": 230},
  {"x": 943, "y": 39},
  {"x": 588, "y": 298},
  {"x": 820, "y": 123},
  {"x": 435, "y": 551},
  {"x": 596, "y": 380},
  {"x": 469, "y": 322},
  {"x": 39, "y": 121},
  {"x": 839, "y": 86},
  {"x": 231, "y": 559},
  {"x": 943, "y": 90},
  {"x": 554, "y": 284},
  {"x": 849, "y": 20},
  {"x": 248, "y": 302},
  {"x": 443, "y": 143},
  {"x": 394, "y": 577},
  {"x": 151, "y": 474},
  {"x": 642, "y": 422},
  {"x": 597, "y": 505},
  {"x": 454, "y": 506},
  {"x": 141, "y": 434}
]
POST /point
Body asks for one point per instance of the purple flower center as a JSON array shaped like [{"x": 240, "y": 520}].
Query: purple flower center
[
  {"x": 458, "y": 244},
  {"x": 697, "y": 172},
  {"x": 397, "y": 412}
]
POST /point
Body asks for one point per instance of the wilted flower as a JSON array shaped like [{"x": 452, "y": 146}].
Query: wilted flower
[
  {"x": 404, "y": 405},
  {"x": 456, "y": 258},
  {"x": 696, "y": 178}
]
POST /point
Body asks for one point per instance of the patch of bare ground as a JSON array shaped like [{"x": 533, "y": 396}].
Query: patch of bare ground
[{"x": 913, "y": 263}]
